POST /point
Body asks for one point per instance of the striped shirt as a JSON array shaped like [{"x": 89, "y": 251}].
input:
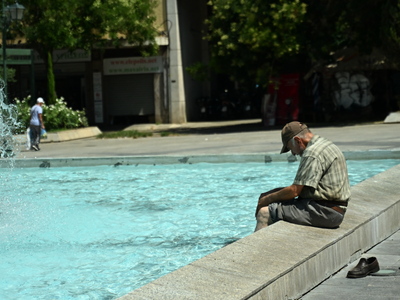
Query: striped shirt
[{"x": 323, "y": 172}]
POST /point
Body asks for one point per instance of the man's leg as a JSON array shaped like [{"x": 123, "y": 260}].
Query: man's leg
[
  {"x": 304, "y": 212},
  {"x": 35, "y": 131},
  {"x": 32, "y": 135},
  {"x": 263, "y": 218}
]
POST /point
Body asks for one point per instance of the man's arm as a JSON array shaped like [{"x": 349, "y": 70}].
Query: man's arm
[
  {"x": 41, "y": 120},
  {"x": 285, "y": 194}
]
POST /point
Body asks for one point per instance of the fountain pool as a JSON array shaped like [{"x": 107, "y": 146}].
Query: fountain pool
[{"x": 100, "y": 232}]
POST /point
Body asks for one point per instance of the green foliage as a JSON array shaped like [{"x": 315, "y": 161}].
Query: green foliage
[
  {"x": 84, "y": 24},
  {"x": 199, "y": 71},
  {"x": 165, "y": 133},
  {"x": 124, "y": 134},
  {"x": 55, "y": 116},
  {"x": 251, "y": 39},
  {"x": 131, "y": 19},
  {"x": 390, "y": 30},
  {"x": 247, "y": 37},
  {"x": 331, "y": 26},
  {"x": 10, "y": 74}
]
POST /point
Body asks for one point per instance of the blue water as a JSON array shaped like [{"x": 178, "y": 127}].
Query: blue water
[{"x": 100, "y": 232}]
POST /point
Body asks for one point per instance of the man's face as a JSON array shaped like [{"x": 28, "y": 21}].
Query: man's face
[{"x": 296, "y": 146}]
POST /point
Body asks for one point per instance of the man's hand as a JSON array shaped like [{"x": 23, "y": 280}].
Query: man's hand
[
  {"x": 278, "y": 194},
  {"x": 263, "y": 200}
]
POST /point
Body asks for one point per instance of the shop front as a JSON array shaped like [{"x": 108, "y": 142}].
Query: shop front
[{"x": 132, "y": 89}]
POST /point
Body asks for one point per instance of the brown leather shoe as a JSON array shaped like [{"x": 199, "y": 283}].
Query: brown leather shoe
[{"x": 364, "y": 267}]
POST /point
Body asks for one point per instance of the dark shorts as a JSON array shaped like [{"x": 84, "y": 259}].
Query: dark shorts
[{"x": 305, "y": 212}]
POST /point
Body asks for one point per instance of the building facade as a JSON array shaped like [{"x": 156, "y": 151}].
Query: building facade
[{"x": 119, "y": 86}]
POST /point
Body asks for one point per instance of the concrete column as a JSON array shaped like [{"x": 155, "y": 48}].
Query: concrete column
[
  {"x": 177, "y": 101},
  {"x": 157, "y": 98}
]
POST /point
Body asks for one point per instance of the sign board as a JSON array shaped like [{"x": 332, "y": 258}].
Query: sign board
[
  {"x": 17, "y": 56},
  {"x": 66, "y": 56},
  {"x": 132, "y": 65},
  {"x": 25, "y": 56},
  {"x": 98, "y": 97}
]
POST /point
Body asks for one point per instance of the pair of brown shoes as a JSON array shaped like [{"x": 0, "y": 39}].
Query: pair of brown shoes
[{"x": 364, "y": 267}]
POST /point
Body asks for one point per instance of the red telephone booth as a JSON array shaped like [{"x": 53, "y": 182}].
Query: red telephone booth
[{"x": 287, "y": 95}]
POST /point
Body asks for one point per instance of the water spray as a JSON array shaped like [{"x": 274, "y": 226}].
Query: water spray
[{"x": 9, "y": 125}]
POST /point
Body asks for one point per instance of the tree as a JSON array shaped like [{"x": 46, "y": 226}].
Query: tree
[
  {"x": 248, "y": 37},
  {"x": 338, "y": 24},
  {"x": 82, "y": 24},
  {"x": 390, "y": 30},
  {"x": 253, "y": 38}
]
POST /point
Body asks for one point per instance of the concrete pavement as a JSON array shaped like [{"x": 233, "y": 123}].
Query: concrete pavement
[
  {"x": 218, "y": 138},
  {"x": 384, "y": 284}
]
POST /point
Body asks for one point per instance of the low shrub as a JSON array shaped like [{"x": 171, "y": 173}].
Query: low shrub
[
  {"x": 55, "y": 116},
  {"x": 124, "y": 134}
]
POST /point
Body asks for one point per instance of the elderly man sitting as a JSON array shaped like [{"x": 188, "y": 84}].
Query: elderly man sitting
[{"x": 320, "y": 190}]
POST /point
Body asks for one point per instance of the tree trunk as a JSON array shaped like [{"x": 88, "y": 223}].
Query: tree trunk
[{"x": 51, "y": 83}]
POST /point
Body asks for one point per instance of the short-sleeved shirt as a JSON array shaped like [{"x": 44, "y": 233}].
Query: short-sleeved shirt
[
  {"x": 323, "y": 172},
  {"x": 35, "y": 111}
]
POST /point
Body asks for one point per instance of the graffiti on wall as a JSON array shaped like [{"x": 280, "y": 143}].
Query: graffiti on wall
[{"x": 353, "y": 90}]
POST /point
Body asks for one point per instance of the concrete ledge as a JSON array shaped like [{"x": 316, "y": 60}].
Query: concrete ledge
[
  {"x": 73, "y": 134},
  {"x": 393, "y": 117},
  {"x": 187, "y": 125},
  {"x": 284, "y": 260},
  {"x": 66, "y": 135},
  {"x": 191, "y": 159}
]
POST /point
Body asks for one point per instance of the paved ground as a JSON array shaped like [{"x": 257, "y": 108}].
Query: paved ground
[
  {"x": 370, "y": 287},
  {"x": 220, "y": 138},
  {"x": 251, "y": 137}
]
